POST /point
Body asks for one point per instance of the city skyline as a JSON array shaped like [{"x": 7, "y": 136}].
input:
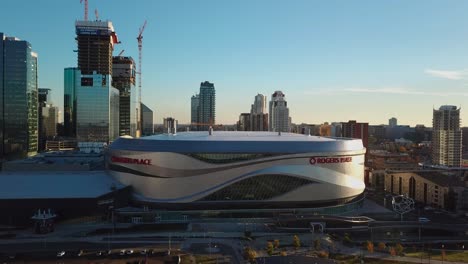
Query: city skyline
[{"x": 335, "y": 61}]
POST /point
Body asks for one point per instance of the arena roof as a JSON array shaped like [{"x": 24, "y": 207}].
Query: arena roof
[
  {"x": 237, "y": 142},
  {"x": 239, "y": 136},
  {"x": 56, "y": 185}
]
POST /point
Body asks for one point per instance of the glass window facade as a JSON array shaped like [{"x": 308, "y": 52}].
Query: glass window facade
[
  {"x": 260, "y": 187},
  {"x": 147, "y": 120},
  {"x": 19, "y": 98},
  {"x": 97, "y": 110},
  {"x": 71, "y": 80},
  {"x": 220, "y": 158}
]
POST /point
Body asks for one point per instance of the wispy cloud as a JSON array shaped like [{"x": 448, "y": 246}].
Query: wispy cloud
[
  {"x": 451, "y": 75},
  {"x": 399, "y": 90}
]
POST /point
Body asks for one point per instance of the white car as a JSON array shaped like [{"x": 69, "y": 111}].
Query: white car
[
  {"x": 143, "y": 252},
  {"x": 61, "y": 254},
  {"x": 129, "y": 252},
  {"x": 122, "y": 252}
]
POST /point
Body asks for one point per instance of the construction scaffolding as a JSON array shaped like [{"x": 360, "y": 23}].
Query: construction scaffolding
[
  {"x": 123, "y": 78},
  {"x": 96, "y": 41}
]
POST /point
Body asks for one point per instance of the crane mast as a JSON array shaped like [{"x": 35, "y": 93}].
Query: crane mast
[
  {"x": 140, "y": 46},
  {"x": 85, "y": 9}
]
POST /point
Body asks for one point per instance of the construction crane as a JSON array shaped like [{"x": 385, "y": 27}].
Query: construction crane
[
  {"x": 96, "y": 14},
  {"x": 120, "y": 53},
  {"x": 140, "y": 46},
  {"x": 85, "y": 9}
]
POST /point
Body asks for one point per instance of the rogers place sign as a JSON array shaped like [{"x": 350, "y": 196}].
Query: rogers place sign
[
  {"x": 328, "y": 160},
  {"x": 130, "y": 160}
]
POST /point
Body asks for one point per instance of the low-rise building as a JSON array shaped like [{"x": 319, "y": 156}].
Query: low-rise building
[{"x": 430, "y": 187}]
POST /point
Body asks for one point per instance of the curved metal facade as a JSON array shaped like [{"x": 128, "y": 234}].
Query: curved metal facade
[{"x": 239, "y": 168}]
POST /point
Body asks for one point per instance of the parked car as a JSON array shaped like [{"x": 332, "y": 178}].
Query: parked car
[{"x": 61, "y": 254}]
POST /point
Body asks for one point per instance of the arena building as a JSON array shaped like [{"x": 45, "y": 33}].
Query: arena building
[{"x": 237, "y": 170}]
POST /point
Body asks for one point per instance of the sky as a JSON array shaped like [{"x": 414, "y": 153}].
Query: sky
[{"x": 334, "y": 60}]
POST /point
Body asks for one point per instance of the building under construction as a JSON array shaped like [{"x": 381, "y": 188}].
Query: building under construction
[
  {"x": 96, "y": 41},
  {"x": 97, "y": 102},
  {"x": 123, "y": 78}
]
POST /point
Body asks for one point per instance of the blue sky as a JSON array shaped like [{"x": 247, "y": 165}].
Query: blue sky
[{"x": 334, "y": 60}]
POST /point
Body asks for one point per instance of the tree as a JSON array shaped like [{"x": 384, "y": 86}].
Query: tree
[
  {"x": 283, "y": 253},
  {"x": 250, "y": 254},
  {"x": 276, "y": 243},
  {"x": 317, "y": 245},
  {"x": 392, "y": 251},
  {"x": 399, "y": 249},
  {"x": 296, "y": 242},
  {"x": 269, "y": 248},
  {"x": 370, "y": 246},
  {"x": 381, "y": 246}
]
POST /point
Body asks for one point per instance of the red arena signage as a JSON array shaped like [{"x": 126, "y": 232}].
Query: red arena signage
[
  {"x": 130, "y": 160},
  {"x": 327, "y": 160}
]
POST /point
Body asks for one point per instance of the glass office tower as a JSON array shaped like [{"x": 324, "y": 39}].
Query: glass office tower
[
  {"x": 97, "y": 109},
  {"x": 18, "y": 98}
]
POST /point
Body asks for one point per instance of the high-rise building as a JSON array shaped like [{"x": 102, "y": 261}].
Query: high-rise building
[
  {"x": 48, "y": 117},
  {"x": 207, "y": 106},
  {"x": 123, "y": 78},
  {"x": 18, "y": 99},
  {"x": 392, "y": 122},
  {"x": 353, "y": 129},
  {"x": 244, "y": 122},
  {"x": 71, "y": 80},
  {"x": 259, "y": 105},
  {"x": 279, "y": 120},
  {"x": 170, "y": 125},
  {"x": 194, "y": 108},
  {"x": 97, "y": 102},
  {"x": 446, "y": 136},
  {"x": 147, "y": 120},
  {"x": 258, "y": 115}
]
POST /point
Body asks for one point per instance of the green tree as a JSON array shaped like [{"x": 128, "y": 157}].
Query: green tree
[
  {"x": 276, "y": 243},
  {"x": 392, "y": 251},
  {"x": 317, "y": 245},
  {"x": 269, "y": 248},
  {"x": 296, "y": 242}
]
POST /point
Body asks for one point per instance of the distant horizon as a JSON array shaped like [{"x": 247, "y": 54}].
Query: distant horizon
[{"x": 334, "y": 60}]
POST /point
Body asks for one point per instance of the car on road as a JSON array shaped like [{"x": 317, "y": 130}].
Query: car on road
[
  {"x": 99, "y": 253},
  {"x": 60, "y": 253},
  {"x": 423, "y": 220},
  {"x": 143, "y": 252},
  {"x": 109, "y": 252},
  {"x": 129, "y": 251},
  {"x": 80, "y": 253}
]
